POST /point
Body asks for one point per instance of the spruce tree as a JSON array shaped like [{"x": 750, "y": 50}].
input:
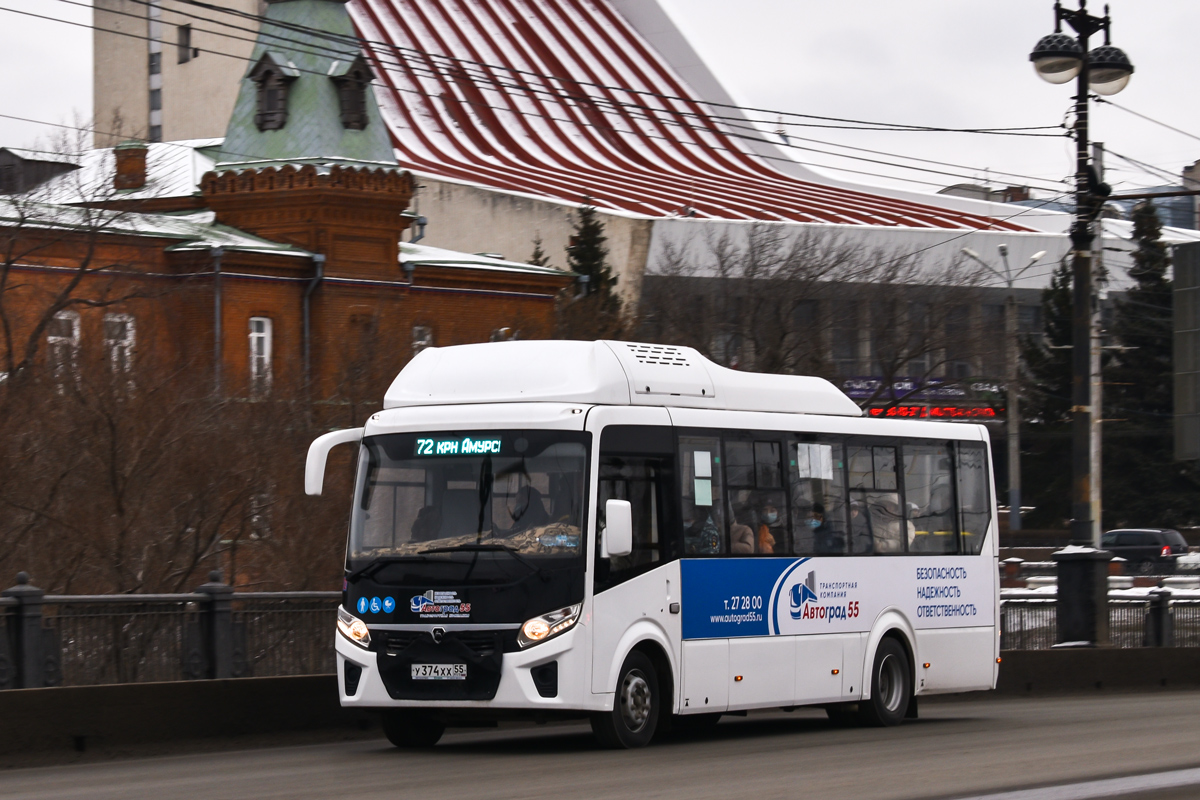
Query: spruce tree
[
  {"x": 538, "y": 258},
  {"x": 1046, "y": 408},
  {"x": 596, "y": 313},
  {"x": 587, "y": 254},
  {"x": 1143, "y": 484}
]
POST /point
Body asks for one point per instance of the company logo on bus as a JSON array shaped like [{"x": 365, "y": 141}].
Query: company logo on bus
[
  {"x": 806, "y": 602},
  {"x": 439, "y": 605},
  {"x": 803, "y": 593}
]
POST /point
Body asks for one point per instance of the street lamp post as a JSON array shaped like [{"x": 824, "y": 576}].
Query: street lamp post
[
  {"x": 1058, "y": 58},
  {"x": 1011, "y": 375}
]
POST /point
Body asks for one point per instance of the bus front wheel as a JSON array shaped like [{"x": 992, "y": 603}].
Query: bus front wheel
[
  {"x": 405, "y": 729},
  {"x": 891, "y": 686},
  {"x": 636, "y": 707}
]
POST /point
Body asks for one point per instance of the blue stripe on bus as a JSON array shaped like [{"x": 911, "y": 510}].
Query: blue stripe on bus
[{"x": 730, "y": 597}]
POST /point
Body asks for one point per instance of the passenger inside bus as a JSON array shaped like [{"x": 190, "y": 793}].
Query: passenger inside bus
[
  {"x": 527, "y": 510},
  {"x": 826, "y": 540},
  {"x": 741, "y": 534},
  {"x": 428, "y": 524},
  {"x": 770, "y": 531}
]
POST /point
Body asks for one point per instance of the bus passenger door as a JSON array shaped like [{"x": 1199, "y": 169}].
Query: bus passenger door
[{"x": 636, "y": 463}]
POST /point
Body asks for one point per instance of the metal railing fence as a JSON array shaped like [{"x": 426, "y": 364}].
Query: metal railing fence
[
  {"x": 1028, "y": 620},
  {"x": 81, "y": 640}
]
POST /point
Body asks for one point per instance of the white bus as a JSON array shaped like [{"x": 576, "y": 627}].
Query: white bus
[{"x": 633, "y": 534}]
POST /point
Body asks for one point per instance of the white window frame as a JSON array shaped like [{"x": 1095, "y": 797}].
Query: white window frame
[
  {"x": 260, "y": 341},
  {"x": 259, "y": 513},
  {"x": 422, "y": 337},
  {"x": 120, "y": 351},
  {"x": 63, "y": 351}
]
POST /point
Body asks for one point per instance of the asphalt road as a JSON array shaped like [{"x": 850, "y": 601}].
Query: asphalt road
[{"x": 965, "y": 748}]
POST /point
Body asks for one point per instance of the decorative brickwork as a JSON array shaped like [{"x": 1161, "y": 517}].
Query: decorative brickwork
[{"x": 354, "y": 216}]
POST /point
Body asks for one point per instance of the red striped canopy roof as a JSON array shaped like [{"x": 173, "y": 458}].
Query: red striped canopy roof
[{"x": 564, "y": 99}]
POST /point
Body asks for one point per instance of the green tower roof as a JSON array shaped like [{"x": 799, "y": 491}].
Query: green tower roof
[{"x": 309, "y": 66}]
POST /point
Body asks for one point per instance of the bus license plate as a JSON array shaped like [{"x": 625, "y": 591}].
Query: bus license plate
[{"x": 439, "y": 672}]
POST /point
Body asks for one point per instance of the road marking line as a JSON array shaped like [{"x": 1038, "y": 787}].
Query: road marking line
[{"x": 1112, "y": 787}]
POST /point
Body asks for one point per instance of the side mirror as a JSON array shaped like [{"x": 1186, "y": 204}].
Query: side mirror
[
  {"x": 618, "y": 532},
  {"x": 318, "y": 454}
]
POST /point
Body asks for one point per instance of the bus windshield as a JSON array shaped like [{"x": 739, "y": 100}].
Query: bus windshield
[{"x": 430, "y": 495}]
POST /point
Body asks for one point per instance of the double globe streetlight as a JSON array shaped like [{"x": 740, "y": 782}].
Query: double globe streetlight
[{"x": 1060, "y": 58}]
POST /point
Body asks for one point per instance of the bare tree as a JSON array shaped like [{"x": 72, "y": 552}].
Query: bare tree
[
  {"x": 119, "y": 469},
  {"x": 812, "y": 302},
  {"x": 53, "y": 258}
]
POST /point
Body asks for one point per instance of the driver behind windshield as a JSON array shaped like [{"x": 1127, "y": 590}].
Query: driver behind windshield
[{"x": 527, "y": 510}]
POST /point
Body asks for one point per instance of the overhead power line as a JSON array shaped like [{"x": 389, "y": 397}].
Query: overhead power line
[
  {"x": 643, "y": 109},
  {"x": 359, "y": 41},
  {"x": 909, "y": 255},
  {"x": 1147, "y": 168},
  {"x": 1108, "y": 102}
]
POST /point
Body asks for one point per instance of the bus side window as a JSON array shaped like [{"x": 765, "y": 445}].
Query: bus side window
[
  {"x": 818, "y": 495},
  {"x": 700, "y": 473},
  {"x": 755, "y": 497},
  {"x": 877, "y": 523},
  {"x": 929, "y": 498},
  {"x": 973, "y": 504}
]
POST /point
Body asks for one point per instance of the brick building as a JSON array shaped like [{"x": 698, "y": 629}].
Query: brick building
[{"x": 273, "y": 257}]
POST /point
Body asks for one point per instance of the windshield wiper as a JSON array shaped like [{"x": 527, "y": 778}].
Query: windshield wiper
[
  {"x": 489, "y": 548},
  {"x": 381, "y": 562}
]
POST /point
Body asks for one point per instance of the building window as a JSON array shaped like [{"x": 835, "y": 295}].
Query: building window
[
  {"x": 259, "y": 513},
  {"x": 185, "y": 44},
  {"x": 260, "y": 355},
  {"x": 155, "y": 133},
  {"x": 273, "y": 80},
  {"x": 845, "y": 338},
  {"x": 119, "y": 336},
  {"x": 422, "y": 338},
  {"x": 352, "y": 94},
  {"x": 156, "y": 99},
  {"x": 62, "y": 344},
  {"x": 156, "y": 63},
  {"x": 958, "y": 343}
]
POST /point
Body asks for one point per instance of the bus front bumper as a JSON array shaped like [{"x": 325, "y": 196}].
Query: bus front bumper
[{"x": 517, "y": 688}]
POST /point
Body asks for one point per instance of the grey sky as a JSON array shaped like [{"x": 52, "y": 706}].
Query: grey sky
[{"x": 952, "y": 63}]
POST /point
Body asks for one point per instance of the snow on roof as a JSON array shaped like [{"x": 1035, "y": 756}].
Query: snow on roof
[
  {"x": 418, "y": 254},
  {"x": 603, "y": 372},
  {"x": 197, "y": 230},
  {"x": 42, "y": 155},
  {"x": 173, "y": 169},
  {"x": 581, "y": 134}
]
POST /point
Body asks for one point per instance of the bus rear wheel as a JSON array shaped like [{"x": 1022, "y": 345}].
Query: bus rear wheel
[
  {"x": 891, "y": 686},
  {"x": 636, "y": 707},
  {"x": 406, "y": 729}
]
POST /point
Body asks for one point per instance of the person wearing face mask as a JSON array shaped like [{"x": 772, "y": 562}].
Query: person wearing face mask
[
  {"x": 825, "y": 538},
  {"x": 769, "y": 518}
]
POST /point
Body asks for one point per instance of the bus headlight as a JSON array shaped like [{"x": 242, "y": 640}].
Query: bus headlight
[
  {"x": 539, "y": 629},
  {"x": 353, "y": 628}
]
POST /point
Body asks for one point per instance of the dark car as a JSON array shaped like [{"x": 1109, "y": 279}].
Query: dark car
[{"x": 1148, "y": 550}]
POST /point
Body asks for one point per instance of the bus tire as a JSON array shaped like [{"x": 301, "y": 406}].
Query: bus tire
[
  {"x": 636, "y": 706},
  {"x": 891, "y": 686},
  {"x": 405, "y": 729}
]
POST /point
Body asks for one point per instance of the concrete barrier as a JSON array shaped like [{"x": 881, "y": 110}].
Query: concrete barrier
[
  {"x": 76, "y": 718},
  {"x": 83, "y": 717},
  {"x": 1092, "y": 669}
]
